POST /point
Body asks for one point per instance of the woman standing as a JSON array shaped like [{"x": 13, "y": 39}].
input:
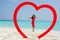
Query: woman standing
[{"x": 33, "y": 22}]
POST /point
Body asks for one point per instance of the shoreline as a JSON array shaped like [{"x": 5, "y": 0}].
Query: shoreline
[{"x": 29, "y": 28}]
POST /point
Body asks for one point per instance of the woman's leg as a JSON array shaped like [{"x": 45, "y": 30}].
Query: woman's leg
[{"x": 33, "y": 29}]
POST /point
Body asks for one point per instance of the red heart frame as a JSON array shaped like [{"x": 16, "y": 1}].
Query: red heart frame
[{"x": 37, "y": 8}]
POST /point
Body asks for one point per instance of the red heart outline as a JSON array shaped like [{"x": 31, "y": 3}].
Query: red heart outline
[{"x": 37, "y": 8}]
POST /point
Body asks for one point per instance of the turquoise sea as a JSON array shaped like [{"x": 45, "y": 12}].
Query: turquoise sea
[{"x": 27, "y": 24}]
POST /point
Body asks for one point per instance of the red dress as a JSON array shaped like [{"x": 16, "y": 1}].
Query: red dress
[{"x": 33, "y": 22}]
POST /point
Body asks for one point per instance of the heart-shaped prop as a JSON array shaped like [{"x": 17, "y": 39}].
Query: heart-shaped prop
[{"x": 37, "y": 8}]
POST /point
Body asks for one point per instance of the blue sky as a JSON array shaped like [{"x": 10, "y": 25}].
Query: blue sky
[{"x": 7, "y": 8}]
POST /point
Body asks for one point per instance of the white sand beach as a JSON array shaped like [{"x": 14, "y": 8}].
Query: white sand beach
[{"x": 12, "y": 34}]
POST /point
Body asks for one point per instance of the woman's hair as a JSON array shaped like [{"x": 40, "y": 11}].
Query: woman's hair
[{"x": 33, "y": 16}]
